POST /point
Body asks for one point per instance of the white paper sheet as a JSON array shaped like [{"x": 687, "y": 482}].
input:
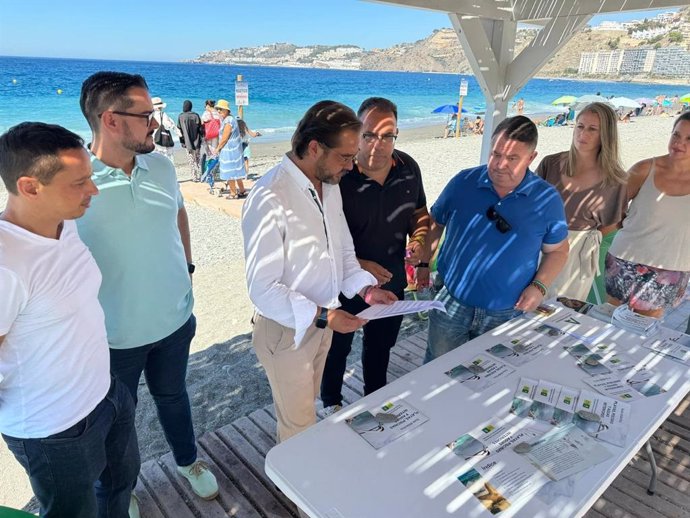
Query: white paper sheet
[{"x": 401, "y": 307}]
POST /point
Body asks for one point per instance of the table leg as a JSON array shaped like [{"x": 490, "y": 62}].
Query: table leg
[{"x": 652, "y": 463}]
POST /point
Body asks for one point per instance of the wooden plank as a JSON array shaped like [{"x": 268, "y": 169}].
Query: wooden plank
[
  {"x": 412, "y": 360},
  {"x": 673, "y": 428},
  {"x": 657, "y": 502},
  {"x": 266, "y": 422},
  {"x": 148, "y": 506},
  {"x": 672, "y": 440},
  {"x": 409, "y": 347},
  {"x": 669, "y": 452},
  {"x": 255, "y": 435},
  {"x": 618, "y": 504},
  {"x": 354, "y": 384},
  {"x": 604, "y": 507},
  {"x": 593, "y": 514},
  {"x": 663, "y": 490},
  {"x": 235, "y": 505},
  {"x": 244, "y": 479},
  {"x": 253, "y": 461},
  {"x": 165, "y": 493},
  {"x": 663, "y": 475},
  {"x": 398, "y": 366}
]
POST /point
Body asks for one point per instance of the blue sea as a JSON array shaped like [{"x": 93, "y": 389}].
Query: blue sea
[{"x": 47, "y": 89}]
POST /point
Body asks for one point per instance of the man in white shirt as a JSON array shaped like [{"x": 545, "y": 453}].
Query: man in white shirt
[
  {"x": 300, "y": 257},
  {"x": 67, "y": 422}
]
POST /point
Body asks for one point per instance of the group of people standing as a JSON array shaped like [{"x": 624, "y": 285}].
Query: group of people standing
[
  {"x": 96, "y": 263},
  {"x": 214, "y": 134}
]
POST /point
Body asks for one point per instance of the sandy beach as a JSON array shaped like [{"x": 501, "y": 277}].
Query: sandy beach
[{"x": 225, "y": 379}]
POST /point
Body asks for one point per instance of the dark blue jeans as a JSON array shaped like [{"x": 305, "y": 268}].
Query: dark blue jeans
[
  {"x": 164, "y": 364},
  {"x": 99, "y": 452},
  {"x": 461, "y": 324},
  {"x": 378, "y": 339}
]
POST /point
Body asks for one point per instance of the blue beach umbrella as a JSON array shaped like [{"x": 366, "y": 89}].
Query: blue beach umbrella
[{"x": 448, "y": 108}]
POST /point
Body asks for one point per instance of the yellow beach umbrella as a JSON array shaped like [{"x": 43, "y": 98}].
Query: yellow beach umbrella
[
  {"x": 565, "y": 99},
  {"x": 685, "y": 98}
]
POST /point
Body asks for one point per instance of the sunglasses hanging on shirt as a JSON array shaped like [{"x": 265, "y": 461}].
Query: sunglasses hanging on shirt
[{"x": 501, "y": 223}]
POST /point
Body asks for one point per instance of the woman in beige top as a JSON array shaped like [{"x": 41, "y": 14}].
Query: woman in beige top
[
  {"x": 648, "y": 264},
  {"x": 591, "y": 181}
]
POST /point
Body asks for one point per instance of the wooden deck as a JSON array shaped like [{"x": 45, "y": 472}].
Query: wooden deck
[{"x": 237, "y": 451}]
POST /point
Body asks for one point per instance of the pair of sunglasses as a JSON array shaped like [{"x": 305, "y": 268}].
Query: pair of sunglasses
[{"x": 501, "y": 223}]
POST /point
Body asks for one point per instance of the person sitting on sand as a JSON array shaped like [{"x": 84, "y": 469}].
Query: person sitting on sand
[
  {"x": 450, "y": 126},
  {"x": 479, "y": 126}
]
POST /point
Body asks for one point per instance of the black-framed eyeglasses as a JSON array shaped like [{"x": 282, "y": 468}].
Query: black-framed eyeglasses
[
  {"x": 148, "y": 115},
  {"x": 501, "y": 223},
  {"x": 386, "y": 138},
  {"x": 345, "y": 159}
]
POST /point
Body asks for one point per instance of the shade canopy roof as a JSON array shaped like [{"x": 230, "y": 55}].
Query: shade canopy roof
[{"x": 487, "y": 32}]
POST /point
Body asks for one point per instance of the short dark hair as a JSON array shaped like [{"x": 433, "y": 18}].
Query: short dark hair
[
  {"x": 31, "y": 149},
  {"x": 518, "y": 128},
  {"x": 380, "y": 103},
  {"x": 685, "y": 116},
  {"x": 105, "y": 89},
  {"x": 211, "y": 103},
  {"x": 324, "y": 123}
]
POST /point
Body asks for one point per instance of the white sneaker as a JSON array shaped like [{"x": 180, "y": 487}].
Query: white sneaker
[
  {"x": 201, "y": 479},
  {"x": 134, "y": 507},
  {"x": 330, "y": 410}
]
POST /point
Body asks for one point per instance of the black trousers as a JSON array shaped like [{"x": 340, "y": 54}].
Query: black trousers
[{"x": 379, "y": 337}]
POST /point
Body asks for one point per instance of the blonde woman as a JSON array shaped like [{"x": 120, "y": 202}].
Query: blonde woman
[
  {"x": 592, "y": 182},
  {"x": 648, "y": 264}
]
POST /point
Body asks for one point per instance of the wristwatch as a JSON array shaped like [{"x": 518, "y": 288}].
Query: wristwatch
[
  {"x": 322, "y": 319},
  {"x": 422, "y": 265},
  {"x": 191, "y": 267}
]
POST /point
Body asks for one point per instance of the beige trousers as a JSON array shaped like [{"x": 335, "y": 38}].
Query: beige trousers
[
  {"x": 576, "y": 277},
  {"x": 294, "y": 374}
]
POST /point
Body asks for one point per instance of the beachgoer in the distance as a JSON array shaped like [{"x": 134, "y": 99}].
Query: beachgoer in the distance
[
  {"x": 491, "y": 270},
  {"x": 592, "y": 183},
  {"x": 62, "y": 415},
  {"x": 648, "y": 264},
  {"x": 300, "y": 258},
  {"x": 189, "y": 125},
  {"x": 519, "y": 106},
  {"x": 479, "y": 126},
  {"x": 138, "y": 232},
  {"x": 163, "y": 119},
  {"x": 450, "y": 126},
  {"x": 246, "y": 135},
  {"x": 211, "y": 121},
  {"x": 383, "y": 203},
  {"x": 230, "y": 153}
]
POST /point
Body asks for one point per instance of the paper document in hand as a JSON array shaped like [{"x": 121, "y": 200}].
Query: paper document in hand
[
  {"x": 565, "y": 452},
  {"x": 602, "y": 417},
  {"x": 479, "y": 373},
  {"x": 385, "y": 424},
  {"x": 401, "y": 307}
]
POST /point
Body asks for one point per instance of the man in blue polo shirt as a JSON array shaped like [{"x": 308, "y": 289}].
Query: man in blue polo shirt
[
  {"x": 498, "y": 218},
  {"x": 138, "y": 233}
]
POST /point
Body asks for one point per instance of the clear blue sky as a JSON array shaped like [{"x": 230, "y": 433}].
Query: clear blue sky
[{"x": 173, "y": 30}]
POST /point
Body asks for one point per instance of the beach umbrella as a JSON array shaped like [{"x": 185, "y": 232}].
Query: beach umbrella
[
  {"x": 565, "y": 99},
  {"x": 646, "y": 100},
  {"x": 448, "y": 108},
  {"x": 624, "y": 102},
  {"x": 685, "y": 98},
  {"x": 584, "y": 100}
]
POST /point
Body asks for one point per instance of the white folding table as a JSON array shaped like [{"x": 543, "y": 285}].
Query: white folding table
[{"x": 329, "y": 471}]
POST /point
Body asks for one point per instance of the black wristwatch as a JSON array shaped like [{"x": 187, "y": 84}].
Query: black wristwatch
[
  {"x": 191, "y": 267},
  {"x": 422, "y": 265},
  {"x": 322, "y": 319}
]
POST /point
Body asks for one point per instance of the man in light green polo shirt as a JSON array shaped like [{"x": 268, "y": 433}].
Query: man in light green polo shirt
[{"x": 138, "y": 233}]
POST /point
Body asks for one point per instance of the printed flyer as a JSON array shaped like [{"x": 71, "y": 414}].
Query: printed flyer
[
  {"x": 387, "y": 423},
  {"x": 517, "y": 351},
  {"x": 479, "y": 373},
  {"x": 670, "y": 343},
  {"x": 602, "y": 417},
  {"x": 564, "y": 452}
]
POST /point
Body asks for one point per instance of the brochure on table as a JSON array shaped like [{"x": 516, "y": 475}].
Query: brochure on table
[
  {"x": 383, "y": 425},
  {"x": 496, "y": 475},
  {"x": 480, "y": 372}
]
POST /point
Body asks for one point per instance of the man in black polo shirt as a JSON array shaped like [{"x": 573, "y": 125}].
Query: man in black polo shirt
[{"x": 384, "y": 202}]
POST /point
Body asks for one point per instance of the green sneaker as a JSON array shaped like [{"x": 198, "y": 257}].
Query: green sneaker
[
  {"x": 201, "y": 479},
  {"x": 134, "y": 507}
]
